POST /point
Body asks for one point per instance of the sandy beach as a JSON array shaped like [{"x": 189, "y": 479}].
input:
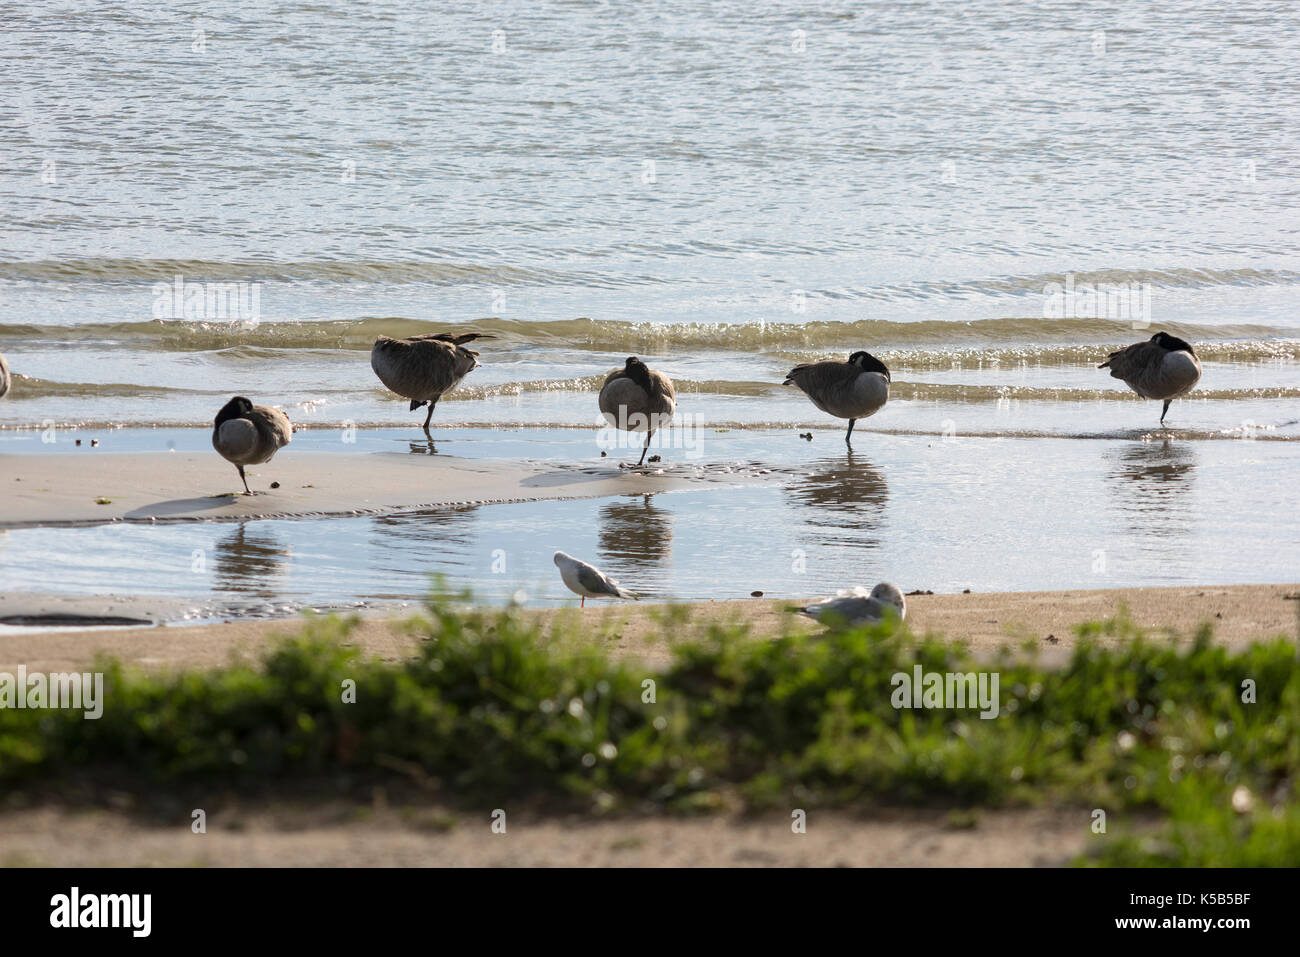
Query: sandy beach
[
  {"x": 47, "y": 490},
  {"x": 1238, "y": 615}
]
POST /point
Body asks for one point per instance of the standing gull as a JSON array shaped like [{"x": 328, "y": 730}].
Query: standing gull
[
  {"x": 587, "y": 580},
  {"x": 636, "y": 398},
  {"x": 858, "y": 606},
  {"x": 847, "y": 390},
  {"x": 4, "y": 375},
  {"x": 424, "y": 368},
  {"x": 247, "y": 434},
  {"x": 1163, "y": 367}
]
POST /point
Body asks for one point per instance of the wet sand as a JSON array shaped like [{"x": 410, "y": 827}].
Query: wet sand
[
  {"x": 163, "y": 486},
  {"x": 1239, "y": 614}
]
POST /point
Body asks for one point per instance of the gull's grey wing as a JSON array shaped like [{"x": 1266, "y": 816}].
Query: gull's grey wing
[
  {"x": 853, "y": 610},
  {"x": 592, "y": 580}
]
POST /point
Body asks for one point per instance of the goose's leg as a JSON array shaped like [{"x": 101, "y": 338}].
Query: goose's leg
[
  {"x": 648, "y": 435},
  {"x": 244, "y": 478},
  {"x": 583, "y": 603},
  {"x": 1164, "y": 410},
  {"x": 430, "y": 415},
  {"x": 849, "y": 435}
]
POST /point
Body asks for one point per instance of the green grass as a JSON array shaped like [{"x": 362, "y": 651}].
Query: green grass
[{"x": 490, "y": 707}]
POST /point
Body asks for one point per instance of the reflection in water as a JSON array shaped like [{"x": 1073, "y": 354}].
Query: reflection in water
[
  {"x": 635, "y": 535},
  {"x": 1151, "y": 481},
  {"x": 250, "y": 561},
  {"x": 406, "y": 550},
  {"x": 845, "y": 493},
  {"x": 422, "y": 447}
]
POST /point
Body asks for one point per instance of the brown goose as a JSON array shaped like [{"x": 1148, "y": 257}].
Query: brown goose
[
  {"x": 847, "y": 390},
  {"x": 635, "y": 398},
  {"x": 1162, "y": 367},
  {"x": 247, "y": 434},
  {"x": 424, "y": 368}
]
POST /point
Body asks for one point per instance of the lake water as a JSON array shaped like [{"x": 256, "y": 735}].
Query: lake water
[{"x": 212, "y": 199}]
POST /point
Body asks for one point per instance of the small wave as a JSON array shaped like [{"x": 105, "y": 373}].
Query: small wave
[
  {"x": 1039, "y": 284},
  {"x": 1012, "y": 336},
  {"x": 434, "y": 272},
  {"x": 450, "y": 428},
  {"x": 450, "y": 272},
  {"x": 30, "y": 387}
]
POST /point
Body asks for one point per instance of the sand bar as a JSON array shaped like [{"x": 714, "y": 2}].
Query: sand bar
[{"x": 97, "y": 488}]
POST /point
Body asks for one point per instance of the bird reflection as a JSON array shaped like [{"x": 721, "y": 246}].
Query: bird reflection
[
  {"x": 634, "y": 534},
  {"x": 434, "y": 529},
  {"x": 1151, "y": 481},
  {"x": 249, "y": 561},
  {"x": 845, "y": 493},
  {"x": 407, "y": 550},
  {"x": 423, "y": 448}
]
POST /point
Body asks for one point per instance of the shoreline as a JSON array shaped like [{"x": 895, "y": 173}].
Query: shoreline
[
  {"x": 169, "y": 487},
  {"x": 1239, "y": 615}
]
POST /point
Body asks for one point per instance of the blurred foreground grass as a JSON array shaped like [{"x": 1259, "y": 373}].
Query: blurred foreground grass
[{"x": 493, "y": 705}]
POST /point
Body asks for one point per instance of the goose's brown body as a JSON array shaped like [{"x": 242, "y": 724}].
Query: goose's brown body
[
  {"x": 851, "y": 390},
  {"x": 247, "y": 434},
  {"x": 1162, "y": 367},
  {"x": 636, "y": 398},
  {"x": 424, "y": 368}
]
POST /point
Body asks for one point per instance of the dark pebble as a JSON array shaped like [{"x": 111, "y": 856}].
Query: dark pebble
[
  {"x": 756, "y": 594},
  {"x": 275, "y": 485},
  {"x": 966, "y": 591}
]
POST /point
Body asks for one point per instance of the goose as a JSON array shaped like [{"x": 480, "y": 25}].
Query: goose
[
  {"x": 858, "y": 606},
  {"x": 847, "y": 390},
  {"x": 247, "y": 434},
  {"x": 636, "y": 397},
  {"x": 1163, "y": 367},
  {"x": 424, "y": 368},
  {"x": 588, "y": 581},
  {"x": 4, "y": 375}
]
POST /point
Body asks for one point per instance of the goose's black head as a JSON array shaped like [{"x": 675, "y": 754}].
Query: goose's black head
[
  {"x": 1171, "y": 343},
  {"x": 236, "y": 408},
  {"x": 869, "y": 363},
  {"x": 637, "y": 371}
]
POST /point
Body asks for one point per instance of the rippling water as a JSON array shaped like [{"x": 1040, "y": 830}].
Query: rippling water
[
  {"x": 726, "y": 189},
  {"x": 990, "y": 196}
]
